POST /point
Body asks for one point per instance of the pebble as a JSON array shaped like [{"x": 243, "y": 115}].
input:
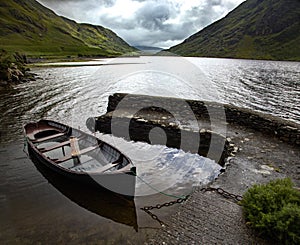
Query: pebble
[{"x": 266, "y": 167}]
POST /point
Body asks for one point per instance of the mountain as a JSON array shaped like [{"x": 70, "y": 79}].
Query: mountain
[
  {"x": 147, "y": 50},
  {"x": 256, "y": 29},
  {"x": 29, "y": 27}
]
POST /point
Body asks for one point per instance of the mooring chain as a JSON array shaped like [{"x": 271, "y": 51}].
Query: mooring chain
[
  {"x": 226, "y": 194},
  {"x": 155, "y": 217},
  {"x": 159, "y": 206},
  {"x": 167, "y": 204}
]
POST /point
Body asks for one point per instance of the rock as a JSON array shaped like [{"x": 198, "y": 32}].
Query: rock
[
  {"x": 13, "y": 68},
  {"x": 266, "y": 167}
]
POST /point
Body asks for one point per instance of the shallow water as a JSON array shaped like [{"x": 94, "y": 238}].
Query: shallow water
[{"x": 32, "y": 205}]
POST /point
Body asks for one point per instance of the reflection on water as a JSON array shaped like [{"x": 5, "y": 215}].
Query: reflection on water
[
  {"x": 34, "y": 211},
  {"x": 166, "y": 169},
  {"x": 97, "y": 200},
  {"x": 31, "y": 209},
  {"x": 272, "y": 87}
]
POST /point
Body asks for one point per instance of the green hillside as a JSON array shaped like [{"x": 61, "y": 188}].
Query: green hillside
[
  {"x": 256, "y": 29},
  {"x": 27, "y": 26}
]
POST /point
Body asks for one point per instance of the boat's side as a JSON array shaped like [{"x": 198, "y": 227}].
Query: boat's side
[
  {"x": 116, "y": 176},
  {"x": 122, "y": 182},
  {"x": 108, "y": 204}
]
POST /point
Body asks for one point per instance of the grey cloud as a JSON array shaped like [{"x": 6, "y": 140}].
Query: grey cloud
[
  {"x": 78, "y": 10},
  {"x": 117, "y": 23},
  {"x": 153, "y": 17},
  {"x": 205, "y": 14},
  {"x": 159, "y": 37},
  {"x": 215, "y": 2},
  {"x": 150, "y": 24},
  {"x": 57, "y": 2}
]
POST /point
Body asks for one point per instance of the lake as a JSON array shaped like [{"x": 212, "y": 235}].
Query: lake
[{"x": 36, "y": 207}]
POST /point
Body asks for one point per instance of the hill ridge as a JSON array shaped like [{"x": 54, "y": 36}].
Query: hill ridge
[
  {"x": 256, "y": 29},
  {"x": 31, "y": 28}
]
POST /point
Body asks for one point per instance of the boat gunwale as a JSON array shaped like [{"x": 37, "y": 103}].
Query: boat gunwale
[{"x": 125, "y": 170}]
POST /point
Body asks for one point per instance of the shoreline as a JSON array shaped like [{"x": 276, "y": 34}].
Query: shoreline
[
  {"x": 262, "y": 154},
  {"x": 77, "y": 61},
  {"x": 121, "y": 116},
  {"x": 71, "y": 61},
  {"x": 209, "y": 218}
]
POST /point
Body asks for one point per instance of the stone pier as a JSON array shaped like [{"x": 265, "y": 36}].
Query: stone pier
[{"x": 256, "y": 149}]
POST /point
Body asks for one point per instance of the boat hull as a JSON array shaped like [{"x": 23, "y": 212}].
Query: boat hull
[
  {"x": 97, "y": 200},
  {"x": 120, "y": 181}
]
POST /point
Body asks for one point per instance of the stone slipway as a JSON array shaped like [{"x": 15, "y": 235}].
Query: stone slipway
[
  {"x": 266, "y": 148},
  {"x": 209, "y": 218}
]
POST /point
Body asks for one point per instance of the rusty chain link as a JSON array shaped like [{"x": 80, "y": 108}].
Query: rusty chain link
[
  {"x": 147, "y": 209},
  {"x": 222, "y": 192}
]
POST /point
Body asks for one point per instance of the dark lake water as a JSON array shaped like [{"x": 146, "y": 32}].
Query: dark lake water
[{"x": 38, "y": 207}]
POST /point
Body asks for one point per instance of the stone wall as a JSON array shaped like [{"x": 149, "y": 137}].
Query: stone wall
[
  {"x": 154, "y": 120},
  {"x": 284, "y": 130},
  {"x": 205, "y": 143}
]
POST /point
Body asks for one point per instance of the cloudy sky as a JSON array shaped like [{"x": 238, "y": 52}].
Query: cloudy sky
[{"x": 158, "y": 23}]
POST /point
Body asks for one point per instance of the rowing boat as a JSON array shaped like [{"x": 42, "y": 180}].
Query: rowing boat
[
  {"x": 99, "y": 201},
  {"x": 80, "y": 156}
]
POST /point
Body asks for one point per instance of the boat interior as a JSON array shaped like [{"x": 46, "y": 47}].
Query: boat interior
[{"x": 74, "y": 150}]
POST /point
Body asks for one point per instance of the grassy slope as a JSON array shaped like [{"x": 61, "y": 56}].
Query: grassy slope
[
  {"x": 29, "y": 27},
  {"x": 257, "y": 29}
]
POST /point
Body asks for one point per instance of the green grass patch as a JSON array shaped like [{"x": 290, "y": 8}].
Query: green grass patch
[{"x": 28, "y": 27}]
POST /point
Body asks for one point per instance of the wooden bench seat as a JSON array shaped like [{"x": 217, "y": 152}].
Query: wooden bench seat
[
  {"x": 83, "y": 151},
  {"x": 51, "y": 148},
  {"x": 48, "y": 138}
]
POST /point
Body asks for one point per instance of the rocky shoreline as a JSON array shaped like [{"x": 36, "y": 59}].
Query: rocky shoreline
[{"x": 13, "y": 69}]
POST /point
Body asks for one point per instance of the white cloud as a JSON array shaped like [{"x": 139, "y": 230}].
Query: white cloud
[{"x": 161, "y": 23}]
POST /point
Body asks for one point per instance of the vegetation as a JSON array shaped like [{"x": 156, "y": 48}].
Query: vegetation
[
  {"x": 5, "y": 63},
  {"x": 274, "y": 210},
  {"x": 257, "y": 29},
  {"x": 28, "y": 27}
]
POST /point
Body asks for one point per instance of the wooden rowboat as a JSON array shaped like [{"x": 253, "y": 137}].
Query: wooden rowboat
[
  {"x": 80, "y": 156},
  {"x": 99, "y": 201}
]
